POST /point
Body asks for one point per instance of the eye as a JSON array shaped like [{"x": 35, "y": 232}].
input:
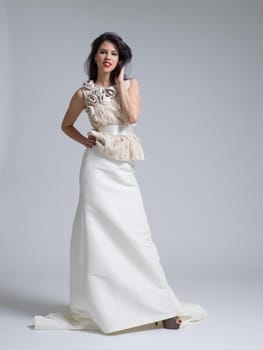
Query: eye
[{"x": 113, "y": 53}]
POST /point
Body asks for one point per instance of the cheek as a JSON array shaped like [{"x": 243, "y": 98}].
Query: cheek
[{"x": 116, "y": 60}]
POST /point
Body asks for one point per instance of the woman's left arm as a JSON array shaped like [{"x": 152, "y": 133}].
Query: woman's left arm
[{"x": 130, "y": 99}]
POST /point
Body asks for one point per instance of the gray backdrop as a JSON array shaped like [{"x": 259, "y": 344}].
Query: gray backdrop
[{"x": 199, "y": 66}]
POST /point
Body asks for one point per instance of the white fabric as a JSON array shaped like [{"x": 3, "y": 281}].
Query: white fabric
[
  {"x": 116, "y": 278},
  {"x": 117, "y": 129}
]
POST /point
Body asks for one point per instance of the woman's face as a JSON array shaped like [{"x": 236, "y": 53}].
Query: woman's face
[{"x": 107, "y": 56}]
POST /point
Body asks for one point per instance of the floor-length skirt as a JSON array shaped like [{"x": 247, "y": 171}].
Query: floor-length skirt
[{"x": 116, "y": 278}]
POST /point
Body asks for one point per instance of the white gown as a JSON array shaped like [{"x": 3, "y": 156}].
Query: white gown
[{"x": 116, "y": 278}]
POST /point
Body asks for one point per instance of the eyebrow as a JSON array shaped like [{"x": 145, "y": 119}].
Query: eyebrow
[{"x": 107, "y": 50}]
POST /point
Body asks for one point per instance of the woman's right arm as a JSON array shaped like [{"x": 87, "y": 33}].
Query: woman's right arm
[{"x": 76, "y": 106}]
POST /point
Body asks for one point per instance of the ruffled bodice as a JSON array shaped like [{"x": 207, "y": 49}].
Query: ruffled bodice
[{"x": 103, "y": 108}]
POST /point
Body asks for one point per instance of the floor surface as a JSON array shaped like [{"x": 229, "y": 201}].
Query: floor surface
[{"x": 233, "y": 302}]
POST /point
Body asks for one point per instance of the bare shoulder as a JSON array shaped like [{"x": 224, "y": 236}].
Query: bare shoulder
[
  {"x": 134, "y": 82},
  {"x": 134, "y": 93},
  {"x": 77, "y": 102},
  {"x": 134, "y": 86},
  {"x": 75, "y": 107},
  {"x": 79, "y": 92},
  {"x": 78, "y": 95},
  {"x": 78, "y": 98}
]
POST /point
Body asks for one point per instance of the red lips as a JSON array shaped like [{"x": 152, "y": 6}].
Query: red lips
[{"x": 108, "y": 63}]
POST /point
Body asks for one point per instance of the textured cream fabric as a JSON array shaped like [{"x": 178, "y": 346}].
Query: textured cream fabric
[{"x": 103, "y": 108}]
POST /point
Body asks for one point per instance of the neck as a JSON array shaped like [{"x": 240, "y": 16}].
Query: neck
[{"x": 103, "y": 79}]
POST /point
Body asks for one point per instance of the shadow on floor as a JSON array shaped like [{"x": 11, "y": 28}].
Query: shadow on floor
[{"x": 17, "y": 303}]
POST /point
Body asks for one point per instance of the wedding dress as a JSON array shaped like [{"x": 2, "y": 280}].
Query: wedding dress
[{"x": 116, "y": 278}]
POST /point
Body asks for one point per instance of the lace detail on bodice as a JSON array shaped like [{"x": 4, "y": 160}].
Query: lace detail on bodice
[{"x": 103, "y": 108}]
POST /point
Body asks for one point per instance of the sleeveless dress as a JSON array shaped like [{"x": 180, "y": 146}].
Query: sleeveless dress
[{"x": 116, "y": 278}]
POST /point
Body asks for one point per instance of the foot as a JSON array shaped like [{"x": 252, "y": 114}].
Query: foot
[{"x": 172, "y": 323}]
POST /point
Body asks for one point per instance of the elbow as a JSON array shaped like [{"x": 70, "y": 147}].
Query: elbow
[
  {"x": 63, "y": 127},
  {"x": 133, "y": 119}
]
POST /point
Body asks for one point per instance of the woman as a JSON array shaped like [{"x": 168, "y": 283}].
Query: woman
[{"x": 116, "y": 279}]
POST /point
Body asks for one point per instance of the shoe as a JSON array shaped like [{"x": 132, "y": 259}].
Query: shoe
[{"x": 171, "y": 323}]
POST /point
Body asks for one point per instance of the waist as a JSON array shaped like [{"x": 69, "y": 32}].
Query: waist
[{"x": 117, "y": 129}]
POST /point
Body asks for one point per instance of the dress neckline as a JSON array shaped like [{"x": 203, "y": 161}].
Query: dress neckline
[{"x": 104, "y": 87}]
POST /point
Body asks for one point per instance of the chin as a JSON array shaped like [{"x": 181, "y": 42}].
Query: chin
[{"x": 109, "y": 69}]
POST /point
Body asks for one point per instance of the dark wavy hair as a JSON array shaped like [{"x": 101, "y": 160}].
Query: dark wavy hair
[{"x": 125, "y": 56}]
